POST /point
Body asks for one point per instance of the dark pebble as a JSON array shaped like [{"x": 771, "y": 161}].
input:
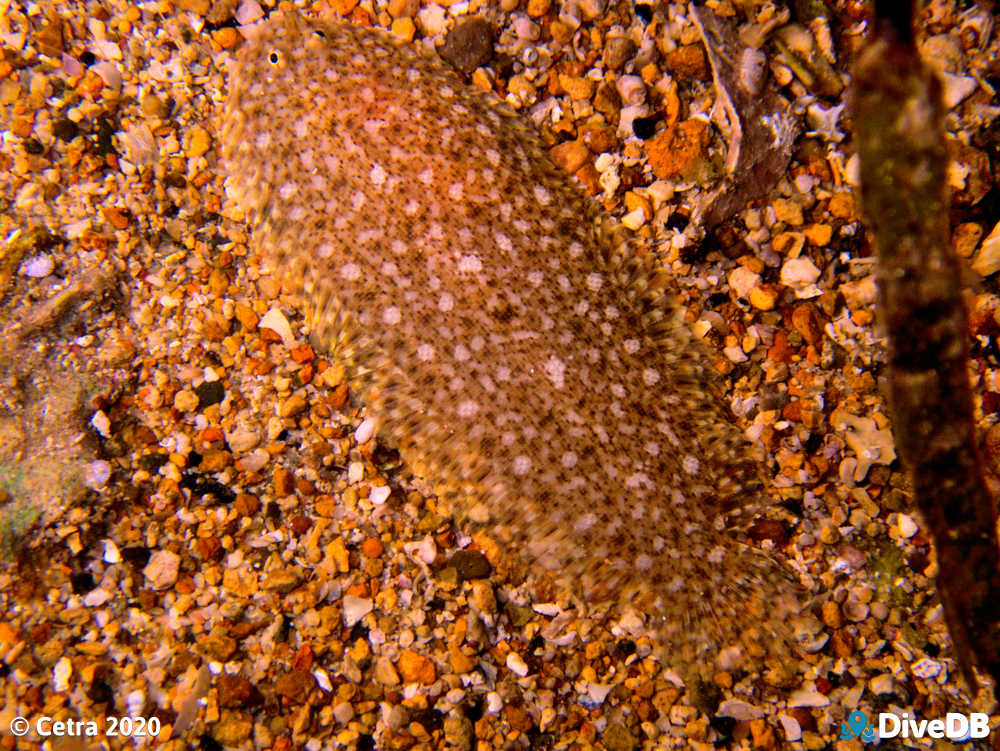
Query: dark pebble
[
  {"x": 723, "y": 725},
  {"x": 100, "y": 692},
  {"x": 209, "y": 393},
  {"x": 644, "y": 127},
  {"x": 137, "y": 555},
  {"x": 152, "y": 462},
  {"x": 469, "y": 45},
  {"x": 65, "y": 129},
  {"x": 88, "y": 58},
  {"x": 82, "y": 582},
  {"x": 33, "y": 146},
  {"x": 471, "y": 564},
  {"x": 644, "y": 12},
  {"x": 175, "y": 180},
  {"x": 208, "y": 743},
  {"x": 768, "y": 529}
]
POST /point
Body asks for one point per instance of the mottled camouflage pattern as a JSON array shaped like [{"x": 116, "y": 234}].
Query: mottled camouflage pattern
[{"x": 506, "y": 335}]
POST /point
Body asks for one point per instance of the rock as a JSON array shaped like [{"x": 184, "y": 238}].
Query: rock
[
  {"x": 458, "y": 730},
  {"x": 295, "y": 686},
  {"x": 415, "y": 668},
  {"x": 907, "y": 526},
  {"x": 218, "y": 645},
  {"x": 356, "y": 608},
  {"x": 739, "y": 710},
  {"x": 161, "y": 571},
  {"x": 516, "y": 664},
  {"x": 471, "y": 564},
  {"x": 384, "y": 672},
  {"x": 209, "y": 393},
  {"x": 282, "y": 581},
  {"x": 680, "y": 151},
  {"x": 986, "y": 261},
  {"x": 742, "y": 281},
  {"x": 469, "y": 45},
  {"x": 232, "y": 729},
  {"x": 234, "y": 691},
  {"x": 808, "y": 698},
  {"x": 275, "y": 320},
  {"x": 570, "y": 156},
  {"x": 793, "y": 731},
  {"x": 764, "y": 297},
  {"x": 801, "y": 274},
  {"x": 617, "y": 738}
]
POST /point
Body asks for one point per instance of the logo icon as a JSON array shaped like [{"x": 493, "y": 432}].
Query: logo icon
[{"x": 857, "y": 726}]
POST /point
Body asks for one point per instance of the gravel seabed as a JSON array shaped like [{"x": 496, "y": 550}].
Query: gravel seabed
[{"x": 221, "y": 542}]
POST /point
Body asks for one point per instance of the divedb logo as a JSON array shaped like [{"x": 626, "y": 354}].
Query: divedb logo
[{"x": 954, "y": 726}]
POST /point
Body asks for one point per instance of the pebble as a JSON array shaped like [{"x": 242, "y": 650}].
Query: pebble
[
  {"x": 275, "y": 320},
  {"x": 907, "y": 525},
  {"x": 96, "y": 474},
  {"x": 471, "y": 564},
  {"x": 883, "y": 684},
  {"x": 356, "y": 608},
  {"x": 927, "y": 668},
  {"x": 112, "y": 554},
  {"x": 469, "y": 45},
  {"x": 162, "y": 569},
  {"x": 632, "y": 90},
  {"x": 791, "y": 727},
  {"x": 986, "y": 261},
  {"x": 385, "y": 672},
  {"x": 365, "y": 431},
  {"x": 808, "y": 698},
  {"x": 801, "y": 274},
  {"x": 516, "y": 664},
  {"x": 742, "y": 281},
  {"x": 38, "y": 267},
  {"x": 739, "y": 710},
  {"x": 415, "y": 668},
  {"x": 764, "y": 297}
]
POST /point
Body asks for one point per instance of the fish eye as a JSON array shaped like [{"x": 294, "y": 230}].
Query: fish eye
[
  {"x": 273, "y": 58},
  {"x": 320, "y": 33}
]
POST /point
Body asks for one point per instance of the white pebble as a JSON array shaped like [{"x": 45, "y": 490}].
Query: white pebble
[
  {"x": 60, "y": 674},
  {"x": 323, "y": 679},
  {"x": 355, "y": 473},
  {"x": 111, "y": 552},
  {"x": 742, "y": 281},
  {"x": 275, "y": 320},
  {"x": 793, "y": 731},
  {"x": 248, "y": 12},
  {"x": 598, "y": 692},
  {"x": 632, "y": 90},
  {"x": 96, "y": 597},
  {"x": 101, "y": 423},
  {"x": 808, "y": 698},
  {"x": 96, "y": 474},
  {"x": 516, "y": 665},
  {"x": 356, "y": 608},
  {"x": 927, "y": 668},
  {"x": 907, "y": 526},
  {"x": 365, "y": 431},
  {"x": 255, "y": 460},
  {"x": 493, "y": 702},
  {"x": 38, "y": 267},
  {"x": 379, "y": 494},
  {"x": 801, "y": 274},
  {"x": 739, "y": 710}
]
